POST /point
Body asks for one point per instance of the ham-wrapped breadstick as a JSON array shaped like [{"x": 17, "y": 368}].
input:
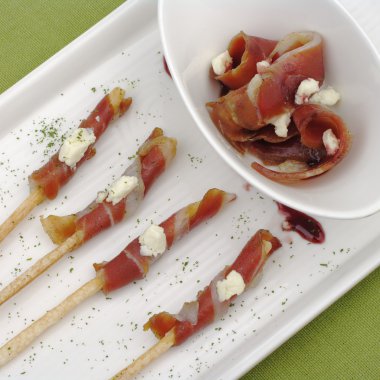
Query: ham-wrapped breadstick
[
  {"x": 46, "y": 182},
  {"x": 110, "y": 207},
  {"x": 134, "y": 261},
  {"x": 211, "y": 303},
  {"x": 131, "y": 264}
]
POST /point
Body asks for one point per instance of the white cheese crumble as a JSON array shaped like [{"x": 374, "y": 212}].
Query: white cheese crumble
[
  {"x": 330, "y": 141},
  {"x": 221, "y": 63},
  {"x": 121, "y": 188},
  {"x": 281, "y": 123},
  {"x": 306, "y": 88},
  {"x": 232, "y": 285},
  {"x": 153, "y": 241},
  {"x": 75, "y": 146},
  {"x": 262, "y": 65},
  {"x": 327, "y": 96}
]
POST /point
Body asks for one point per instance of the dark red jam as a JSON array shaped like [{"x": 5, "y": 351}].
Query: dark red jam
[
  {"x": 166, "y": 67},
  {"x": 306, "y": 226}
]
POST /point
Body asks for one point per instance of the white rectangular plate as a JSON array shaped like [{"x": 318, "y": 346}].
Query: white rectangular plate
[{"x": 105, "y": 334}]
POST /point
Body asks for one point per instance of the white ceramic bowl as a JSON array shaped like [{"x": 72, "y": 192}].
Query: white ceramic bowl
[{"x": 193, "y": 32}]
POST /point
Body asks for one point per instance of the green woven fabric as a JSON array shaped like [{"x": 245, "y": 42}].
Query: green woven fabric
[{"x": 343, "y": 343}]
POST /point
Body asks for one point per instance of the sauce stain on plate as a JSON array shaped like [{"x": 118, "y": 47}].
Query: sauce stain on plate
[{"x": 306, "y": 226}]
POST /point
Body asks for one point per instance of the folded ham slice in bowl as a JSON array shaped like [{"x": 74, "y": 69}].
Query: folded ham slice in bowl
[{"x": 267, "y": 116}]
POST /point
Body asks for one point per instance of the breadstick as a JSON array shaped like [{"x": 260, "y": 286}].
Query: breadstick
[
  {"x": 211, "y": 303},
  {"x": 73, "y": 230},
  {"x": 131, "y": 263},
  {"x": 46, "y": 182},
  {"x": 40, "y": 266},
  {"x": 147, "y": 357},
  {"x": 33, "y": 200},
  {"x": 27, "y": 336}
]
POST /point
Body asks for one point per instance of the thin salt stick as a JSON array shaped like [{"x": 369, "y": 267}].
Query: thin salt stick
[
  {"x": 27, "y": 336},
  {"x": 40, "y": 266},
  {"x": 194, "y": 213},
  {"x": 46, "y": 181},
  {"x": 33, "y": 200},
  {"x": 147, "y": 357}
]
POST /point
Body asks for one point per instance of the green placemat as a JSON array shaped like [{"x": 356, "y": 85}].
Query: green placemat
[{"x": 343, "y": 343}]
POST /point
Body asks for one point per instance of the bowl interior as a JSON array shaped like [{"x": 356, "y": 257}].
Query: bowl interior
[{"x": 194, "y": 32}]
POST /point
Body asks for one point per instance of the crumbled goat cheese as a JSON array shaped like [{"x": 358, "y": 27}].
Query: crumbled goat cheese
[
  {"x": 281, "y": 123},
  {"x": 221, "y": 63},
  {"x": 232, "y": 285},
  {"x": 326, "y": 96},
  {"x": 153, "y": 241},
  {"x": 306, "y": 88},
  {"x": 262, "y": 65},
  {"x": 330, "y": 141},
  {"x": 121, "y": 188},
  {"x": 75, "y": 146}
]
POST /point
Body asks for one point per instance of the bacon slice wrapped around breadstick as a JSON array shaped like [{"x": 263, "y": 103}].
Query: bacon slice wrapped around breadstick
[
  {"x": 211, "y": 303},
  {"x": 46, "y": 182},
  {"x": 111, "y": 207},
  {"x": 131, "y": 264}
]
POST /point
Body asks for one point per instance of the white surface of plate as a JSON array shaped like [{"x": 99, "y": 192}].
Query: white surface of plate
[
  {"x": 189, "y": 51},
  {"x": 104, "y": 334}
]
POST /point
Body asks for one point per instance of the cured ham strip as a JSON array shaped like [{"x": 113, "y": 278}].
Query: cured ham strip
[
  {"x": 270, "y": 93},
  {"x": 72, "y": 231},
  {"x": 296, "y": 57},
  {"x": 54, "y": 174},
  {"x": 131, "y": 265},
  {"x": 312, "y": 121},
  {"x": 46, "y": 181},
  {"x": 293, "y": 149},
  {"x": 246, "y": 51},
  {"x": 151, "y": 160},
  {"x": 174, "y": 329},
  {"x": 128, "y": 266},
  {"x": 208, "y": 307}
]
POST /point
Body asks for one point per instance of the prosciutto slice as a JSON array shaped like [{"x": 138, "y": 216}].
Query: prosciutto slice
[
  {"x": 291, "y": 150},
  {"x": 312, "y": 121},
  {"x": 152, "y": 158},
  {"x": 207, "y": 306},
  {"x": 54, "y": 174},
  {"x": 131, "y": 265},
  {"x": 271, "y": 92},
  {"x": 246, "y": 51}
]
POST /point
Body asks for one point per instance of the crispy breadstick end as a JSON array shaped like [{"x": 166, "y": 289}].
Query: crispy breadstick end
[
  {"x": 34, "y": 199},
  {"x": 40, "y": 266},
  {"x": 147, "y": 357},
  {"x": 21, "y": 341}
]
